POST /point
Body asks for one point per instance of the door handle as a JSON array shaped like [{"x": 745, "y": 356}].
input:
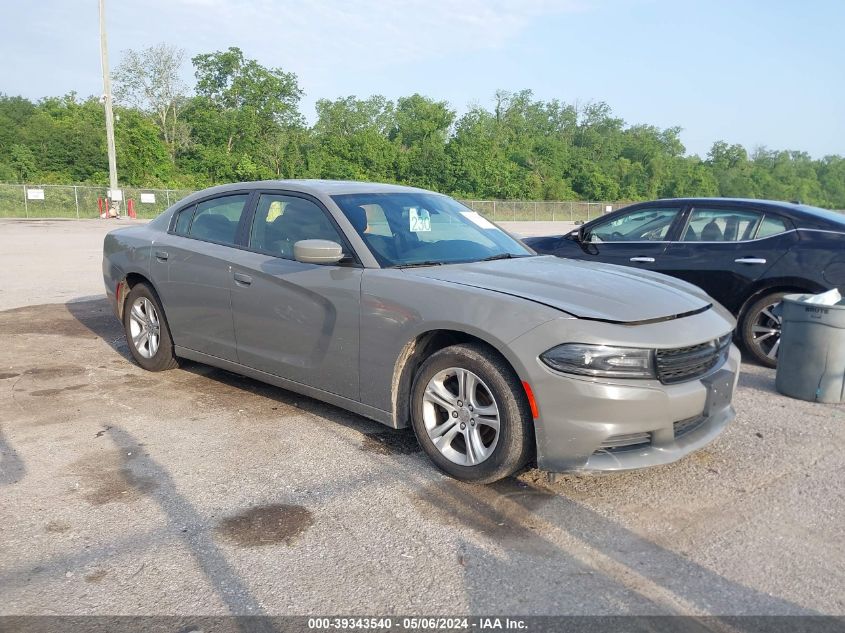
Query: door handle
[
  {"x": 750, "y": 260},
  {"x": 242, "y": 279},
  {"x": 161, "y": 256},
  {"x": 647, "y": 260}
]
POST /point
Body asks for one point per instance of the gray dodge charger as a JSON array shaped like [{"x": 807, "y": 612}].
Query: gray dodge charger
[{"x": 406, "y": 307}]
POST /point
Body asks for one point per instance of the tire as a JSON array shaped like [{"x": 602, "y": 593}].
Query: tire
[
  {"x": 760, "y": 330},
  {"x": 477, "y": 453},
  {"x": 143, "y": 317}
]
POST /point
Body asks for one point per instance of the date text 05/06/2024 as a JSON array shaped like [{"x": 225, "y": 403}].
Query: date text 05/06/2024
[{"x": 417, "y": 623}]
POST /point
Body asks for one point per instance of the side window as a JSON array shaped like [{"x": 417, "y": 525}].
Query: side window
[
  {"x": 771, "y": 225},
  {"x": 376, "y": 221},
  {"x": 183, "y": 220},
  {"x": 721, "y": 225},
  {"x": 217, "y": 220},
  {"x": 281, "y": 221},
  {"x": 642, "y": 225}
]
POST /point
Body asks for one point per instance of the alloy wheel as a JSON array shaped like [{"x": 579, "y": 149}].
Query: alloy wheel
[
  {"x": 461, "y": 416},
  {"x": 766, "y": 330},
  {"x": 144, "y": 327}
]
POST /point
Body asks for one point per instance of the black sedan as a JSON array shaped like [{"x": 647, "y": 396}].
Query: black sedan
[{"x": 746, "y": 254}]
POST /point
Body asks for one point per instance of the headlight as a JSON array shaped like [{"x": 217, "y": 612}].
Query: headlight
[{"x": 601, "y": 360}]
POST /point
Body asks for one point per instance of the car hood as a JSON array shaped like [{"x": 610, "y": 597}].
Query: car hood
[{"x": 587, "y": 290}]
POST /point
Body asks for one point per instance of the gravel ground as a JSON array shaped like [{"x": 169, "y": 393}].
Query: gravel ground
[{"x": 196, "y": 491}]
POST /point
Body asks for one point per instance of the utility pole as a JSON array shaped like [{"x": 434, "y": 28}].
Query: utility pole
[{"x": 107, "y": 101}]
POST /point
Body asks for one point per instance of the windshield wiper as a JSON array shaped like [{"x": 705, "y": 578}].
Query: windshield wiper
[
  {"x": 501, "y": 256},
  {"x": 416, "y": 264}
]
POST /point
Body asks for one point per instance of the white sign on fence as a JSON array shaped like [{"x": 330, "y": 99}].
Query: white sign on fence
[
  {"x": 116, "y": 194},
  {"x": 34, "y": 194},
  {"x": 608, "y": 208},
  {"x": 148, "y": 198}
]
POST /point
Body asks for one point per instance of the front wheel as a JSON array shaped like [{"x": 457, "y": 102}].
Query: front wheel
[
  {"x": 146, "y": 330},
  {"x": 761, "y": 328},
  {"x": 470, "y": 414}
]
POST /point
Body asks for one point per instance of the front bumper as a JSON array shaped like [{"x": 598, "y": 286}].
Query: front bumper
[{"x": 584, "y": 423}]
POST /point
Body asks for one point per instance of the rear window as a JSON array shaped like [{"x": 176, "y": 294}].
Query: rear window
[
  {"x": 183, "y": 220},
  {"x": 217, "y": 220},
  {"x": 721, "y": 225},
  {"x": 771, "y": 225}
]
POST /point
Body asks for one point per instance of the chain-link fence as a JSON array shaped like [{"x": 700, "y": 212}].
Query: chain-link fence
[
  {"x": 526, "y": 210},
  {"x": 83, "y": 201}
]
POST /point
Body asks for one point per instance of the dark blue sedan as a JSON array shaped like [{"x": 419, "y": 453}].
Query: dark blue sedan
[{"x": 746, "y": 254}]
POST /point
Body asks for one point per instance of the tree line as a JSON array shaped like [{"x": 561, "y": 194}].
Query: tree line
[{"x": 242, "y": 121}]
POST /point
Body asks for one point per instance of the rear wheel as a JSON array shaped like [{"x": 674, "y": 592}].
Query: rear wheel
[
  {"x": 470, "y": 414},
  {"x": 146, "y": 330},
  {"x": 761, "y": 328}
]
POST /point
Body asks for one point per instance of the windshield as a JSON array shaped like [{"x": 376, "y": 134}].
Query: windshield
[{"x": 408, "y": 229}]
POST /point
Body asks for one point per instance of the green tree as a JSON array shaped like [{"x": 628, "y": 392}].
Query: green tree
[
  {"x": 352, "y": 139},
  {"x": 23, "y": 163},
  {"x": 249, "y": 100},
  {"x": 244, "y": 124},
  {"x": 831, "y": 174},
  {"x": 421, "y": 129},
  {"x": 142, "y": 154},
  {"x": 149, "y": 80},
  {"x": 732, "y": 170}
]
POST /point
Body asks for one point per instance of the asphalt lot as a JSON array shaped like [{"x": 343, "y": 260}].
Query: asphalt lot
[{"x": 196, "y": 491}]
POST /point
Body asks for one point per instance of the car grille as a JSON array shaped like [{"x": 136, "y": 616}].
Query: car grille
[
  {"x": 682, "y": 427},
  {"x": 688, "y": 363},
  {"x": 625, "y": 442}
]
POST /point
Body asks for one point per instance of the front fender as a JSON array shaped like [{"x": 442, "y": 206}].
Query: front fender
[{"x": 397, "y": 309}]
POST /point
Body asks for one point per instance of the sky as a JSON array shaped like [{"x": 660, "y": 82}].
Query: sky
[{"x": 761, "y": 73}]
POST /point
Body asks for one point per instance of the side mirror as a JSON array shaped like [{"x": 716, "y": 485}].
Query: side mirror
[
  {"x": 317, "y": 252},
  {"x": 580, "y": 234}
]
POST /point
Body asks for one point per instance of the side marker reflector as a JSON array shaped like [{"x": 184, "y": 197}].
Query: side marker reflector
[{"x": 531, "y": 401}]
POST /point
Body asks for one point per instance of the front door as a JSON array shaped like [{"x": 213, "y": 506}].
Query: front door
[
  {"x": 637, "y": 238},
  {"x": 295, "y": 320}
]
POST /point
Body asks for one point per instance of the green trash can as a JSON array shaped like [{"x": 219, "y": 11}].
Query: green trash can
[{"x": 811, "y": 358}]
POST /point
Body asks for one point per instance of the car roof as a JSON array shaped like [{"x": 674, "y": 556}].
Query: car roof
[
  {"x": 793, "y": 209},
  {"x": 315, "y": 187}
]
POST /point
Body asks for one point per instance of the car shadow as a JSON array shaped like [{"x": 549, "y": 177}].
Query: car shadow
[
  {"x": 12, "y": 467},
  {"x": 601, "y": 567},
  {"x": 763, "y": 380},
  {"x": 280, "y": 395},
  {"x": 96, "y": 316}
]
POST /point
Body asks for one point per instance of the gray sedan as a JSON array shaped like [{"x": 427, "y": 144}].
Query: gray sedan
[{"x": 405, "y": 306}]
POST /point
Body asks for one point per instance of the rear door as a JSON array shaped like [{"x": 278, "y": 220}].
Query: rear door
[
  {"x": 724, "y": 248},
  {"x": 196, "y": 289},
  {"x": 635, "y": 238},
  {"x": 294, "y": 320}
]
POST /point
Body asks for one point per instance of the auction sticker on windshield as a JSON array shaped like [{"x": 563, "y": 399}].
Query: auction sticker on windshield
[
  {"x": 420, "y": 220},
  {"x": 478, "y": 219}
]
